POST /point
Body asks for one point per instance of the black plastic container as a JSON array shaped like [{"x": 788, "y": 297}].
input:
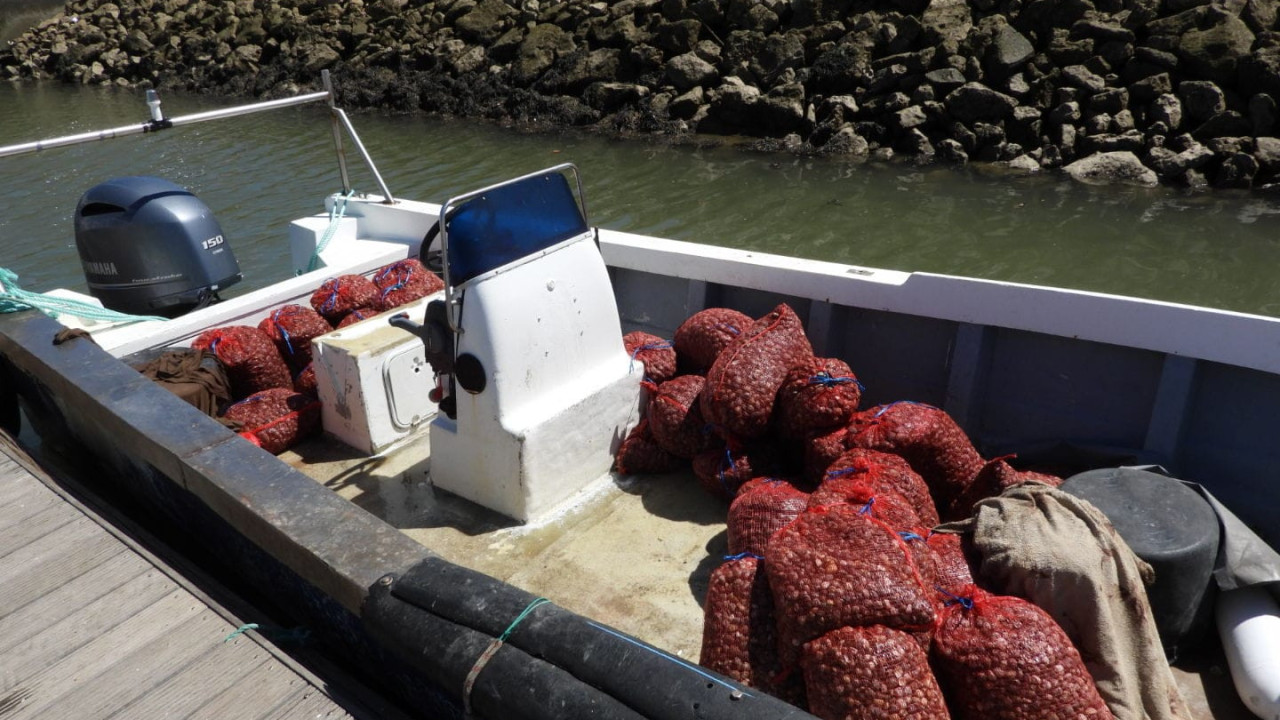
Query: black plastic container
[{"x": 1173, "y": 528}]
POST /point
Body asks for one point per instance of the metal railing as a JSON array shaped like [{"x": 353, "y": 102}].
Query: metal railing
[{"x": 158, "y": 122}]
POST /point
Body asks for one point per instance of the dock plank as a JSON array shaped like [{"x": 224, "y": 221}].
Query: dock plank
[
  {"x": 184, "y": 692},
  {"x": 93, "y": 625}
]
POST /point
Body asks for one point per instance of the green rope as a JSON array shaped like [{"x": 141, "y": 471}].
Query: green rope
[
  {"x": 532, "y": 606},
  {"x": 336, "y": 213},
  {"x": 15, "y": 299},
  {"x": 298, "y": 635}
]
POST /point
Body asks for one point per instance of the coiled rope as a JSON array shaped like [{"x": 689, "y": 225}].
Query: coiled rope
[
  {"x": 336, "y": 213},
  {"x": 14, "y": 299}
]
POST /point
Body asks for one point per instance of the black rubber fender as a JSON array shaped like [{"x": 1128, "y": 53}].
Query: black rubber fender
[
  {"x": 510, "y": 685},
  {"x": 654, "y": 683}
]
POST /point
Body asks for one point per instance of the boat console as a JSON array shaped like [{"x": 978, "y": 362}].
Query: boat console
[{"x": 536, "y": 390}]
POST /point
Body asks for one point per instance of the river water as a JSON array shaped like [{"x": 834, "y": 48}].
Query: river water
[{"x": 1220, "y": 249}]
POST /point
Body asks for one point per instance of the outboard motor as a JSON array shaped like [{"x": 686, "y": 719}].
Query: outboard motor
[
  {"x": 149, "y": 247},
  {"x": 536, "y": 389}
]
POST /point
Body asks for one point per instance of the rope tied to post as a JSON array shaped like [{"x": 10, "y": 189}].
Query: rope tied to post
[{"x": 336, "y": 214}]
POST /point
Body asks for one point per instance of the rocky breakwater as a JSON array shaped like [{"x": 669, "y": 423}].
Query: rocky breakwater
[{"x": 1180, "y": 91}]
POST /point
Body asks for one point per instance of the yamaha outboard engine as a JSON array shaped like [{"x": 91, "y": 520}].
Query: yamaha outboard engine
[{"x": 149, "y": 247}]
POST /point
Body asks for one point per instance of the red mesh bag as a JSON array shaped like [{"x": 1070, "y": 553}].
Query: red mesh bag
[
  {"x": 339, "y": 296},
  {"x": 883, "y": 504},
  {"x": 305, "y": 381},
  {"x": 954, "y": 573},
  {"x": 995, "y": 477},
  {"x": 861, "y": 673},
  {"x": 881, "y": 471},
  {"x": 817, "y": 395},
  {"x": 700, "y": 339},
  {"x": 640, "y": 455},
  {"x": 252, "y": 361},
  {"x": 925, "y": 437},
  {"x": 723, "y": 470},
  {"x": 820, "y": 451},
  {"x": 763, "y": 506},
  {"x": 403, "y": 282},
  {"x": 743, "y": 382},
  {"x": 355, "y": 316},
  {"x": 658, "y": 356},
  {"x": 739, "y": 639},
  {"x": 292, "y": 328},
  {"x": 1002, "y": 658},
  {"x": 676, "y": 421},
  {"x": 277, "y": 419},
  {"x": 836, "y": 566}
]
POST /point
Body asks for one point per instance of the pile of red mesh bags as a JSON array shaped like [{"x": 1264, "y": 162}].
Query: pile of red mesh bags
[
  {"x": 340, "y": 295},
  {"x": 1002, "y": 658},
  {"x": 742, "y": 384},
  {"x": 837, "y": 566},
  {"x": 639, "y": 454},
  {"x": 995, "y": 477},
  {"x": 870, "y": 672},
  {"x": 292, "y": 328},
  {"x": 818, "y": 395},
  {"x": 837, "y": 594},
  {"x": 676, "y": 420},
  {"x": 403, "y": 282},
  {"x": 739, "y": 639},
  {"x": 276, "y": 419},
  {"x": 926, "y": 437},
  {"x": 250, "y": 358},
  {"x": 657, "y": 355},
  {"x": 762, "y": 507},
  {"x": 699, "y": 340}
]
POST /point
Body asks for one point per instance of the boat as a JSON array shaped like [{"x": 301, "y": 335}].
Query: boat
[{"x": 457, "y": 531}]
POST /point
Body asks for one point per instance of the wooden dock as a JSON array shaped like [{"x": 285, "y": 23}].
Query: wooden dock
[{"x": 94, "y": 624}]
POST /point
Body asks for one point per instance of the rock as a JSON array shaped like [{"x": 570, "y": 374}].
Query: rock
[
  {"x": 946, "y": 24},
  {"x": 1024, "y": 164},
  {"x": 847, "y": 142},
  {"x": 1110, "y": 101},
  {"x": 1149, "y": 88},
  {"x": 1236, "y": 171},
  {"x": 1101, "y": 30},
  {"x": 1214, "y": 52},
  {"x": 1009, "y": 49},
  {"x": 1068, "y": 113},
  {"x": 1108, "y": 143},
  {"x": 733, "y": 101},
  {"x": 678, "y": 37},
  {"x": 781, "y": 110},
  {"x": 1166, "y": 109},
  {"x": 688, "y": 71},
  {"x": 1123, "y": 122},
  {"x": 1267, "y": 151},
  {"x": 1201, "y": 100},
  {"x": 485, "y": 23},
  {"x": 1174, "y": 165},
  {"x": 911, "y": 117},
  {"x": 974, "y": 102},
  {"x": 1227, "y": 123},
  {"x": 686, "y": 106},
  {"x": 1112, "y": 167},
  {"x": 951, "y": 151},
  {"x": 1262, "y": 114},
  {"x": 540, "y": 48},
  {"x": 945, "y": 79},
  {"x": 1079, "y": 76},
  {"x": 609, "y": 96},
  {"x": 840, "y": 108}
]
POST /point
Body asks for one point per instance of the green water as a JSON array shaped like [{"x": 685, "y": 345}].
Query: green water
[{"x": 1219, "y": 249}]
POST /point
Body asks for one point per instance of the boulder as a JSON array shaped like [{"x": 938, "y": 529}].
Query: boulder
[
  {"x": 1009, "y": 49},
  {"x": 1121, "y": 167},
  {"x": 485, "y": 23},
  {"x": 688, "y": 71},
  {"x": 1214, "y": 52},
  {"x": 539, "y": 50},
  {"x": 1166, "y": 109},
  {"x": 974, "y": 102}
]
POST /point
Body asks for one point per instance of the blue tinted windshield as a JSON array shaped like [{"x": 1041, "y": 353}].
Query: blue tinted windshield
[{"x": 511, "y": 222}]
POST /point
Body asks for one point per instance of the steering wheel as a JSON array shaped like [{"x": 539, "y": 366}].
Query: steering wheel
[{"x": 433, "y": 260}]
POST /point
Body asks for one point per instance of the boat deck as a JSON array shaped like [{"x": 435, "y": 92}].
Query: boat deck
[{"x": 94, "y": 625}]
